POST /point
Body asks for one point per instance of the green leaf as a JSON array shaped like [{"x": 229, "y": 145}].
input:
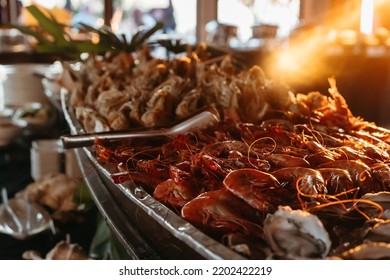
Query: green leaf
[
  {"x": 62, "y": 43},
  {"x": 101, "y": 243},
  {"x": 104, "y": 245},
  {"x": 139, "y": 38},
  {"x": 83, "y": 196},
  {"x": 48, "y": 48},
  {"x": 49, "y": 24},
  {"x": 174, "y": 46},
  {"x": 29, "y": 31},
  {"x": 106, "y": 37},
  {"x": 86, "y": 46},
  {"x": 124, "y": 39}
]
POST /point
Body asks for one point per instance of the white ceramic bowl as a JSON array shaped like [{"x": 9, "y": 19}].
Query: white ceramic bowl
[
  {"x": 36, "y": 115},
  {"x": 6, "y": 113},
  {"x": 10, "y": 130}
]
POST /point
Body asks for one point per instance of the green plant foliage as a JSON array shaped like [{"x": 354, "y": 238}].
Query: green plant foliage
[{"x": 55, "y": 38}]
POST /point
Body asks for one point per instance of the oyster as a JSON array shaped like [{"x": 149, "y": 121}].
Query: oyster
[
  {"x": 296, "y": 234},
  {"x": 380, "y": 232},
  {"x": 382, "y": 198}
]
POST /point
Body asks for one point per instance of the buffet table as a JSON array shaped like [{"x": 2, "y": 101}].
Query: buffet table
[
  {"x": 15, "y": 163},
  {"x": 15, "y": 175}
]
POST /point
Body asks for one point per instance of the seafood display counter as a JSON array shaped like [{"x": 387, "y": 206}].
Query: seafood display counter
[{"x": 280, "y": 175}]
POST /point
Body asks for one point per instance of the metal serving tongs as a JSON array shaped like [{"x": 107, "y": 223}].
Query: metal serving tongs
[{"x": 206, "y": 117}]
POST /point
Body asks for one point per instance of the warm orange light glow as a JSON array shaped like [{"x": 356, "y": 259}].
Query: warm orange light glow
[
  {"x": 301, "y": 60},
  {"x": 305, "y": 60},
  {"x": 95, "y": 39},
  {"x": 367, "y": 17}
]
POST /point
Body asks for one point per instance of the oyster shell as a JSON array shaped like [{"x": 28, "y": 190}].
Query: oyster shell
[
  {"x": 382, "y": 198},
  {"x": 380, "y": 232},
  {"x": 368, "y": 251},
  {"x": 296, "y": 234}
]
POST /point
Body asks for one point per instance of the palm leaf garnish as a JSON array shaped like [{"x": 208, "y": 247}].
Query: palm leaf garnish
[{"x": 54, "y": 37}]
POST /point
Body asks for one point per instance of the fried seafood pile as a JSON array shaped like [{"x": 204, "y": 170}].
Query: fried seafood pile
[
  {"x": 138, "y": 90},
  {"x": 283, "y": 175}
]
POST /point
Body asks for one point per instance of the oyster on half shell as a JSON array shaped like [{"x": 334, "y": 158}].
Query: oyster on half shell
[{"x": 296, "y": 234}]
